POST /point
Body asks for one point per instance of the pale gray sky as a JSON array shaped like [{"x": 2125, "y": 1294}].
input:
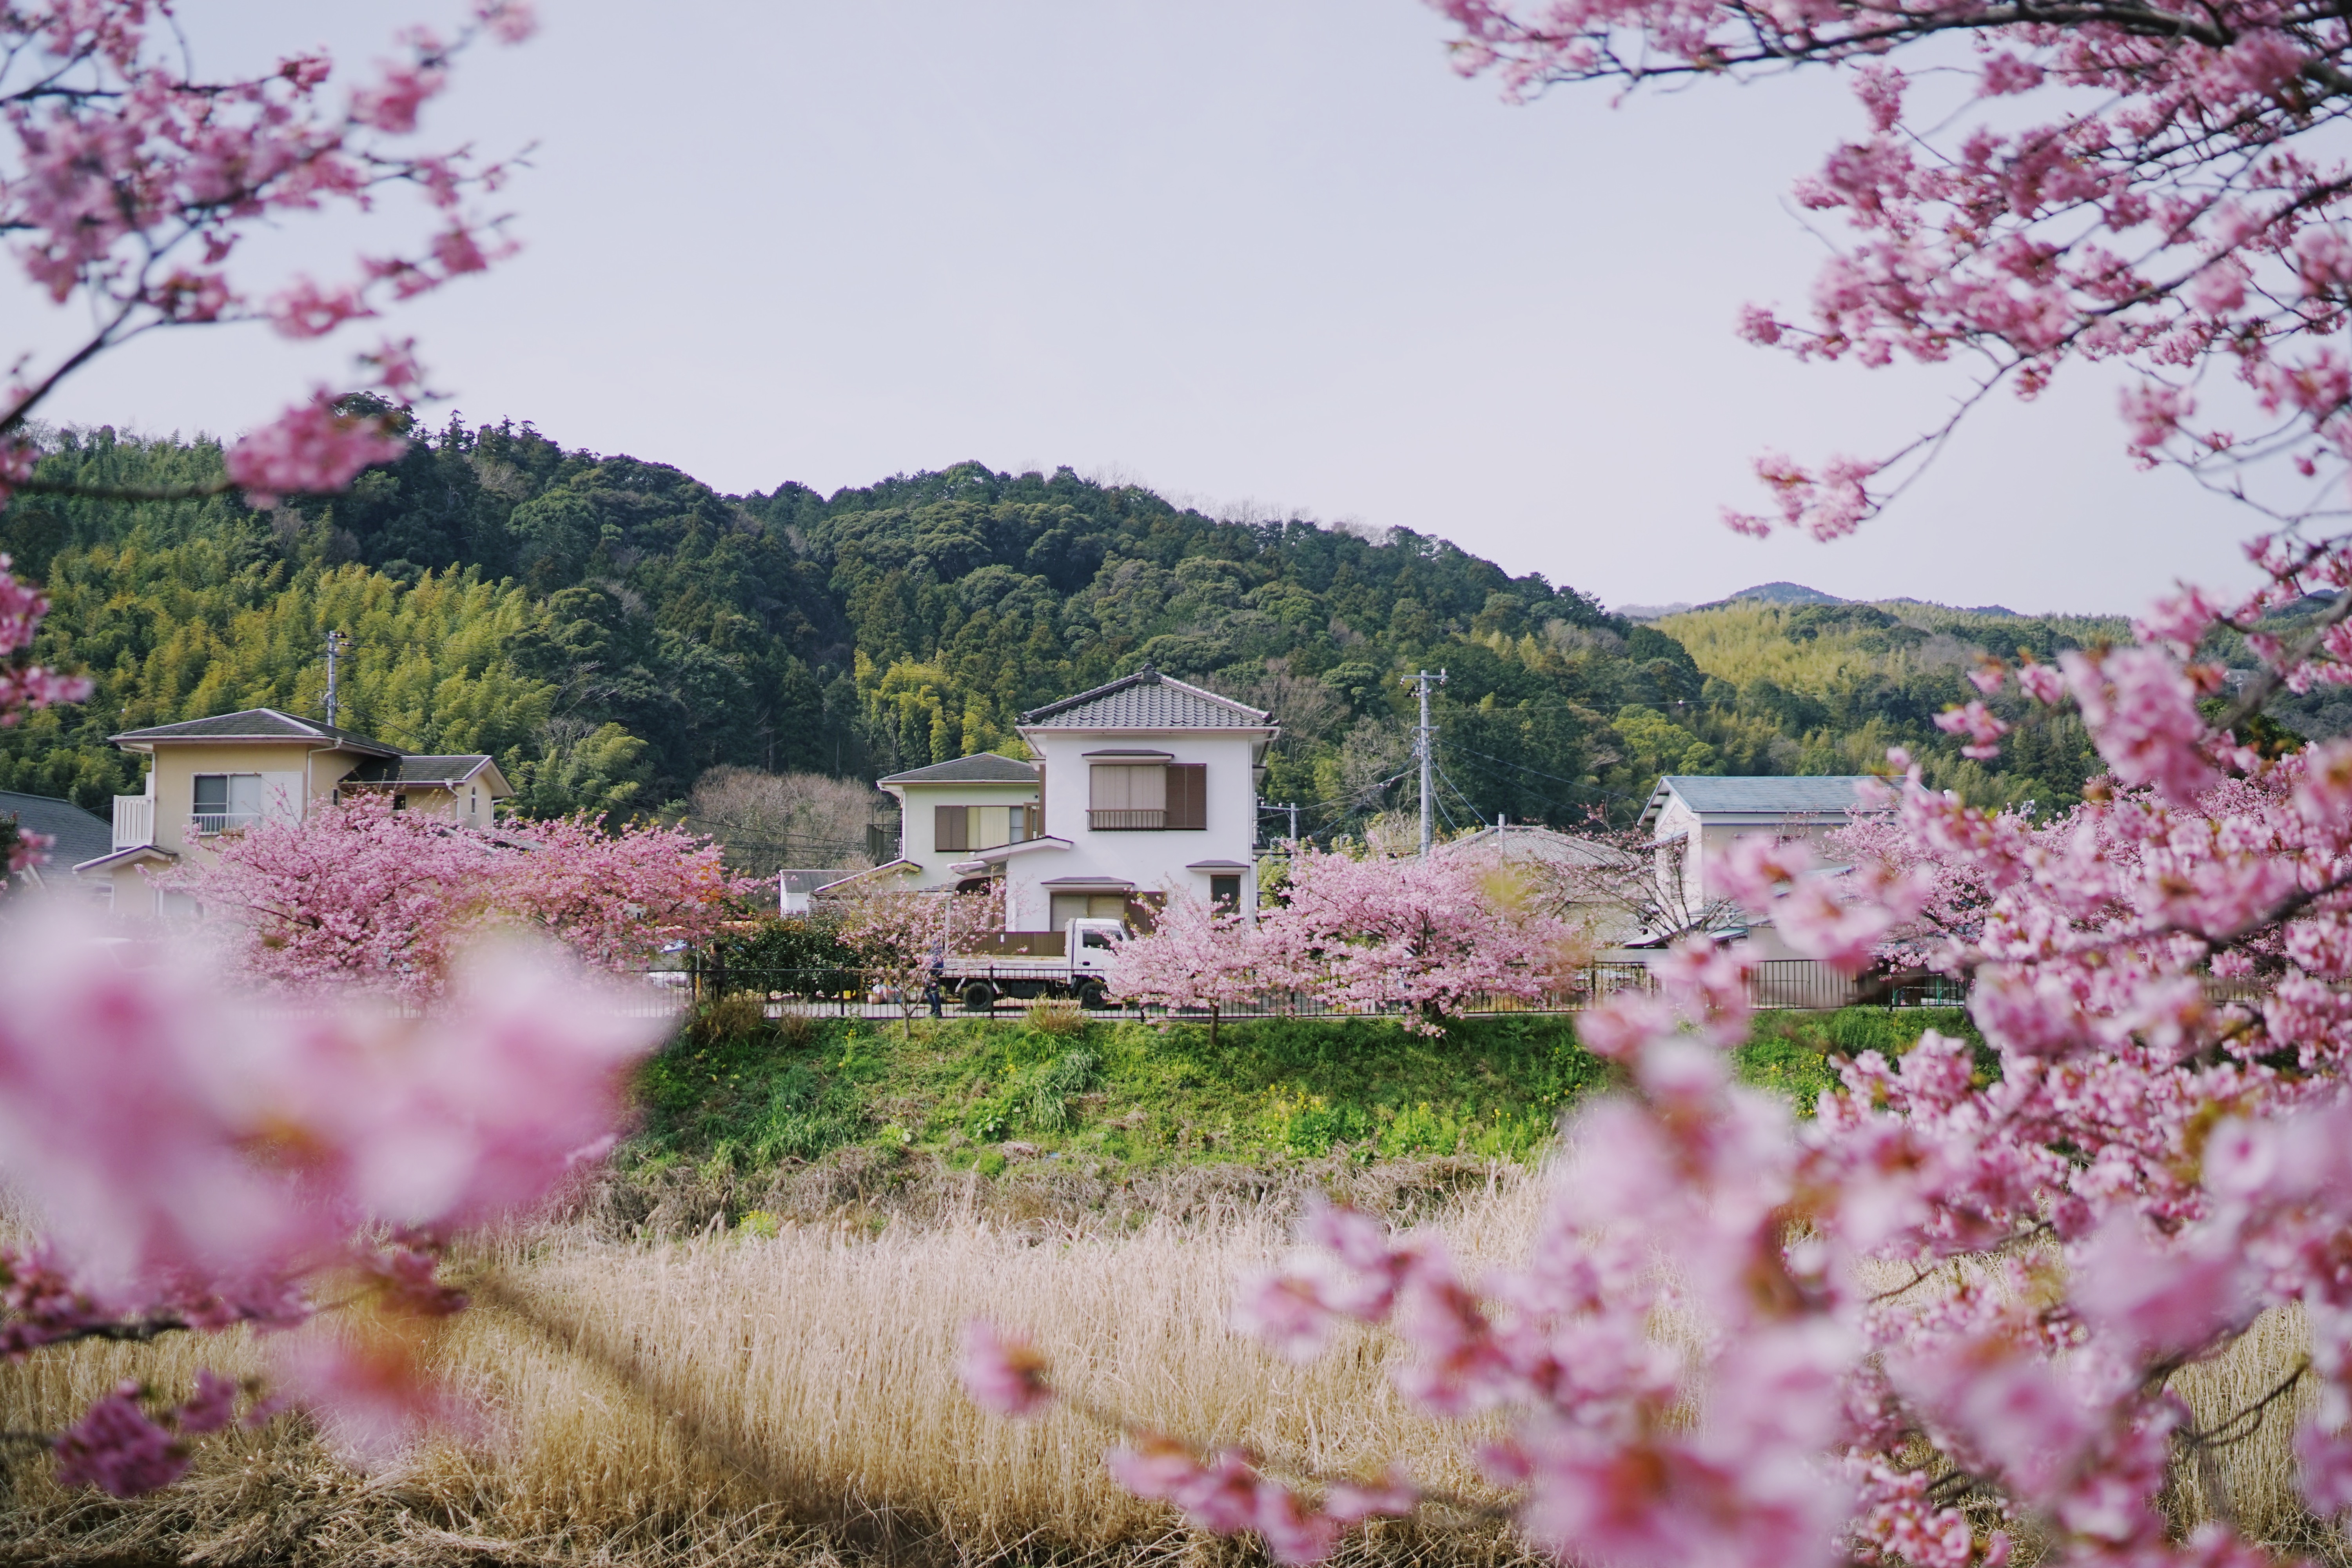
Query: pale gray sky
[{"x": 1240, "y": 250}]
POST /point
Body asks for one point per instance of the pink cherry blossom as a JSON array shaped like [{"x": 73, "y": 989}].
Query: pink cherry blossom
[
  {"x": 1002, "y": 1373},
  {"x": 119, "y": 1449},
  {"x": 309, "y": 449},
  {"x": 358, "y": 895},
  {"x": 1196, "y": 958},
  {"x": 1979, "y": 723},
  {"x": 2143, "y": 717},
  {"x": 1428, "y": 932}
]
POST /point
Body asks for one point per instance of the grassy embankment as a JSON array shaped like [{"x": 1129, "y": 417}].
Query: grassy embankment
[{"x": 737, "y": 1093}]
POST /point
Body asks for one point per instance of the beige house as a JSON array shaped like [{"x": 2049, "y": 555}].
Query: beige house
[
  {"x": 210, "y": 777},
  {"x": 950, "y": 811}
]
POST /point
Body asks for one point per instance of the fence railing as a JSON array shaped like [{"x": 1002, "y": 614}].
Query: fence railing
[{"x": 1776, "y": 984}]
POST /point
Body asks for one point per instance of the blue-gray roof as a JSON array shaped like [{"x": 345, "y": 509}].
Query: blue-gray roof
[
  {"x": 1768, "y": 796},
  {"x": 1149, "y": 701},
  {"x": 80, "y": 835}
]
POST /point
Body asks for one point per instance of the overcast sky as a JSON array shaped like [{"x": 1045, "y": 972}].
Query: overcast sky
[{"x": 1243, "y": 251}]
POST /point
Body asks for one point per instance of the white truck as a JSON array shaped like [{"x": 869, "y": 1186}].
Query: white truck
[{"x": 1076, "y": 960}]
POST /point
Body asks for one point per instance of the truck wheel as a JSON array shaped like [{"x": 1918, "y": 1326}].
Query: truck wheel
[
  {"x": 979, "y": 998},
  {"x": 1092, "y": 996}
]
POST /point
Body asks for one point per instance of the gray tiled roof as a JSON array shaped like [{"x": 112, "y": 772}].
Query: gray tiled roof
[
  {"x": 985, "y": 768},
  {"x": 406, "y": 770},
  {"x": 1148, "y": 701},
  {"x": 258, "y": 724},
  {"x": 1757, "y": 796},
  {"x": 80, "y": 835}
]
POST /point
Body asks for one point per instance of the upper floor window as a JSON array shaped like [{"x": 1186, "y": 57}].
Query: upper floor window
[
  {"x": 1149, "y": 795},
  {"x": 226, "y": 802},
  {"x": 969, "y": 827}
]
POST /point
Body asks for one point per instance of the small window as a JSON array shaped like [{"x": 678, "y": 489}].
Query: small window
[
  {"x": 225, "y": 803},
  {"x": 1096, "y": 939},
  {"x": 1226, "y": 894}
]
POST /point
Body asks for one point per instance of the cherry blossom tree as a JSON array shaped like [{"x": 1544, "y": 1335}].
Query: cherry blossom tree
[
  {"x": 619, "y": 897},
  {"x": 195, "y": 1164},
  {"x": 903, "y": 935},
  {"x": 191, "y": 1164},
  {"x": 1426, "y": 933},
  {"x": 360, "y": 894},
  {"x": 1194, "y": 957},
  {"x": 129, "y": 184},
  {"x": 2164, "y": 194},
  {"x": 1942, "y": 1313}
]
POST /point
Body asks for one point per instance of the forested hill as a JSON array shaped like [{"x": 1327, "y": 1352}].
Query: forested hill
[{"x": 611, "y": 628}]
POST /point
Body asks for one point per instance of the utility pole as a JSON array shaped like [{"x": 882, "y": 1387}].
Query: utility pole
[
  {"x": 337, "y": 642},
  {"x": 1425, "y": 748}
]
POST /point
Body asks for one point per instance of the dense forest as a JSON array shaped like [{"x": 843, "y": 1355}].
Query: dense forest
[{"x": 610, "y": 629}]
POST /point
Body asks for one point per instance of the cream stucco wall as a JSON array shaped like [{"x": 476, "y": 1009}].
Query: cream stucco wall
[
  {"x": 918, "y": 825},
  {"x": 293, "y": 774}
]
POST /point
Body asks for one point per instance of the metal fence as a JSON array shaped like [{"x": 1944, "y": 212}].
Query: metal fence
[{"x": 1787, "y": 982}]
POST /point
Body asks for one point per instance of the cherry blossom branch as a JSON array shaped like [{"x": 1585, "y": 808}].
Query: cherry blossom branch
[{"x": 2221, "y": 1436}]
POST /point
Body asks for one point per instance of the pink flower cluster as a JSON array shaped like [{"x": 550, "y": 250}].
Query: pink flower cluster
[
  {"x": 134, "y": 185},
  {"x": 195, "y": 1162},
  {"x": 1427, "y": 933},
  {"x": 1994, "y": 1255},
  {"x": 363, "y": 896},
  {"x": 2181, "y": 209},
  {"x": 25, "y": 686}
]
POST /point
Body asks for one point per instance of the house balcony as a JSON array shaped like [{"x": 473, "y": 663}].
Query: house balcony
[
  {"x": 1126, "y": 821},
  {"x": 213, "y": 824},
  {"x": 135, "y": 821}
]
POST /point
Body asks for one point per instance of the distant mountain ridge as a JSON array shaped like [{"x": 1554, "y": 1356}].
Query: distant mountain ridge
[
  {"x": 611, "y": 630},
  {"x": 1794, "y": 593}
]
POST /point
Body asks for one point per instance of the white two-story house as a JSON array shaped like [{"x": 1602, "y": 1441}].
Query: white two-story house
[
  {"x": 210, "y": 777},
  {"x": 1142, "y": 788}
]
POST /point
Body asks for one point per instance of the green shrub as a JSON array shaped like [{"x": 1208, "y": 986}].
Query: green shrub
[{"x": 738, "y": 1015}]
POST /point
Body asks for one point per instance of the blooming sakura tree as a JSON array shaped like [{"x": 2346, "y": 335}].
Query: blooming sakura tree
[
  {"x": 359, "y": 894},
  {"x": 1194, "y": 957},
  {"x": 129, "y": 184},
  {"x": 2164, "y": 194},
  {"x": 195, "y": 1165},
  {"x": 619, "y": 898},
  {"x": 903, "y": 935},
  {"x": 1943, "y": 1311},
  {"x": 1427, "y": 933}
]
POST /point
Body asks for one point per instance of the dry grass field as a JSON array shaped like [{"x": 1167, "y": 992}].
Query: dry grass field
[{"x": 791, "y": 1398}]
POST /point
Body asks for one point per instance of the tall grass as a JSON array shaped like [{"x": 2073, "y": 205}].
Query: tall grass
[
  {"x": 787, "y": 1392},
  {"x": 792, "y": 1397}
]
